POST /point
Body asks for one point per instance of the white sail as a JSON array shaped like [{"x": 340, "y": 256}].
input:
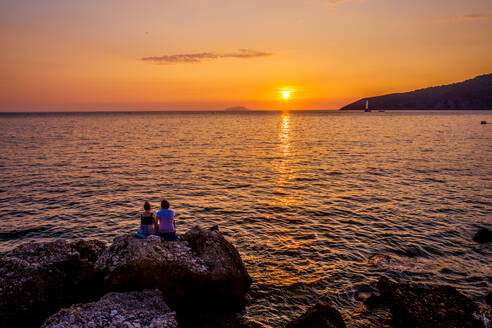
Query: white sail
[{"x": 367, "y": 104}]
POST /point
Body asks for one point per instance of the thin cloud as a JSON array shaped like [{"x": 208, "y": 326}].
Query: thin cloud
[
  {"x": 332, "y": 3},
  {"x": 202, "y": 56},
  {"x": 462, "y": 18},
  {"x": 474, "y": 16}
]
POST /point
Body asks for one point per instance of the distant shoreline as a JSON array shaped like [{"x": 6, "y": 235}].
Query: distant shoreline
[
  {"x": 237, "y": 109},
  {"x": 472, "y": 94}
]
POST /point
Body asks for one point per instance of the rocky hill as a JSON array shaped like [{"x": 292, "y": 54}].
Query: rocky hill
[{"x": 471, "y": 94}]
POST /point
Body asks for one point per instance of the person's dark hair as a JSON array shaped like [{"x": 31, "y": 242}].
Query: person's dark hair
[
  {"x": 164, "y": 204},
  {"x": 147, "y": 206}
]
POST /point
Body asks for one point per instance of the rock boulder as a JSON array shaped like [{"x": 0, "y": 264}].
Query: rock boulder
[
  {"x": 483, "y": 235},
  {"x": 428, "y": 306},
  {"x": 144, "y": 309},
  {"x": 37, "y": 279},
  {"x": 201, "y": 270},
  {"x": 322, "y": 315},
  {"x": 208, "y": 320}
]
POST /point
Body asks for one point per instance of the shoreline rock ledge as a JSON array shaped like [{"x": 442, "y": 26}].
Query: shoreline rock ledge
[
  {"x": 201, "y": 270},
  {"x": 133, "y": 309},
  {"x": 199, "y": 273},
  {"x": 37, "y": 279}
]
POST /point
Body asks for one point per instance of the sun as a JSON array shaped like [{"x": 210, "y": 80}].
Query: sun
[{"x": 286, "y": 92}]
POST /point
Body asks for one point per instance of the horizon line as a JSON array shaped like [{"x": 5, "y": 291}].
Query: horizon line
[{"x": 169, "y": 110}]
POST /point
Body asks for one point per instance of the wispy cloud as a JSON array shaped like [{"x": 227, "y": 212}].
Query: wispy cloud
[
  {"x": 332, "y": 3},
  {"x": 467, "y": 17},
  {"x": 201, "y": 56}
]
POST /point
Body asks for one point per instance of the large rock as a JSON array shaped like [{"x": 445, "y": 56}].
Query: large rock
[
  {"x": 322, "y": 315},
  {"x": 37, "y": 279},
  {"x": 200, "y": 271},
  {"x": 209, "y": 320},
  {"x": 483, "y": 235},
  {"x": 432, "y": 306},
  {"x": 144, "y": 309}
]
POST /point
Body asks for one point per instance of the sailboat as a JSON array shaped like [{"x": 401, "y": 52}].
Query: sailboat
[{"x": 367, "y": 106}]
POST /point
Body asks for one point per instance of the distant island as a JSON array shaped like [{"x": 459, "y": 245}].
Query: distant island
[
  {"x": 471, "y": 94},
  {"x": 236, "y": 109}
]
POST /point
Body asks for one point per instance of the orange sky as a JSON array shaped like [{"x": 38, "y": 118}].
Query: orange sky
[{"x": 88, "y": 55}]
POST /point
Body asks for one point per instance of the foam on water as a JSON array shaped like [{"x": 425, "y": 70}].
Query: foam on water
[{"x": 318, "y": 203}]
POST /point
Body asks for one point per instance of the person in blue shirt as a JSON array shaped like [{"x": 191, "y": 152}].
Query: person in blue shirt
[{"x": 166, "y": 226}]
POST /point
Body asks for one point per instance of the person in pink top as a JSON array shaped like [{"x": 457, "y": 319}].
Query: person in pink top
[{"x": 166, "y": 227}]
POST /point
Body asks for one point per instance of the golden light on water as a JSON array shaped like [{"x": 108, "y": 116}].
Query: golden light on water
[
  {"x": 284, "y": 134},
  {"x": 285, "y": 197}
]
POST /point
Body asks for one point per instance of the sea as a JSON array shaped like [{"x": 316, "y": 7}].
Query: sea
[{"x": 320, "y": 204}]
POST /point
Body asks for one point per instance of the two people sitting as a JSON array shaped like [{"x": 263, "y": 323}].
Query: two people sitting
[{"x": 161, "y": 224}]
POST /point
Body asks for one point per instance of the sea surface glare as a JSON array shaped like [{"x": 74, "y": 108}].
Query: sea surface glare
[{"x": 313, "y": 200}]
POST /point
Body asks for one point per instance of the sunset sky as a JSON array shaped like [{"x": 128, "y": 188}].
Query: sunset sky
[{"x": 211, "y": 54}]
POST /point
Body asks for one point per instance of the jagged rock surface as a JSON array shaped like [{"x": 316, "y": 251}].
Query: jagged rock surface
[
  {"x": 144, "y": 309},
  {"x": 37, "y": 279},
  {"x": 200, "y": 270},
  {"x": 428, "y": 306},
  {"x": 207, "y": 320},
  {"x": 319, "y": 316}
]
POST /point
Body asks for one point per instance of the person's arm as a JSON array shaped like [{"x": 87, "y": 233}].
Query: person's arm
[{"x": 156, "y": 224}]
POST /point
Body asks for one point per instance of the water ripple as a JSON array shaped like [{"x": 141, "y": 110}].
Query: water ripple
[{"x": 320, "y": 204}]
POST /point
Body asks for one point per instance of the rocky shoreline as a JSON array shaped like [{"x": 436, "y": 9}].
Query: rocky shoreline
[{"x": 199, "y": 280}]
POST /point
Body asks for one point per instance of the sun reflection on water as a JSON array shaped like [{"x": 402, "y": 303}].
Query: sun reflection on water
[
  {"x": 284, "y": 135},
  {"x": 284, "y": 198}
]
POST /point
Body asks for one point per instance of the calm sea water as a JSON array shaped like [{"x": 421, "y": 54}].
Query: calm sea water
[{"x": 311, "y": 199}]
